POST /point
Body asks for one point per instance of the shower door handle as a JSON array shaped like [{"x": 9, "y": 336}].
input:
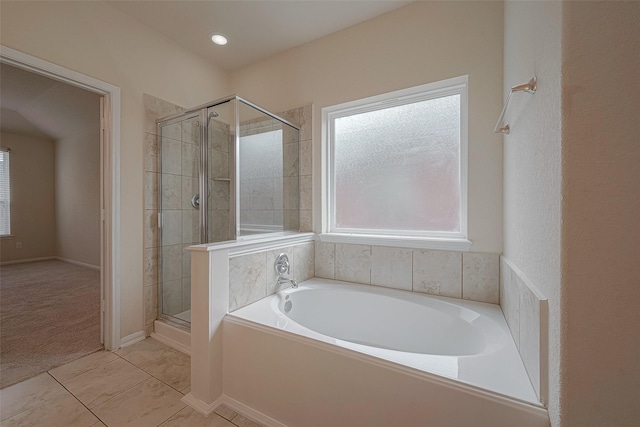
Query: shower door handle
[{"x": 195, "y": 201}]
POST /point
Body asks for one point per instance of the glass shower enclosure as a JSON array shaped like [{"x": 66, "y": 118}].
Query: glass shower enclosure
[{"x": 228, "y": 171}]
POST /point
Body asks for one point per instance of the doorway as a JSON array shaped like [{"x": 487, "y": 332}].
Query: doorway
[{"x": 108, "y": 165}]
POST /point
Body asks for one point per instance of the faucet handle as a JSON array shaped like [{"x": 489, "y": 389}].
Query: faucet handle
[{"x": 281, "y": 265}]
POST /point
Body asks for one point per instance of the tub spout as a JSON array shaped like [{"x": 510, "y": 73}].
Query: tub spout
[{"x": 283, "y": 280}]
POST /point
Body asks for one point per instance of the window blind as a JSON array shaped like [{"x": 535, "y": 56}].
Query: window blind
[{"x": 5, "y": 193}]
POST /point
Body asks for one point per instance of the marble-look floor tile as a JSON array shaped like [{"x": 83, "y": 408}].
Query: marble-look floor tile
[
  {"x": 174, "y": 370},
  {"x": 77, "y": 367},
  {"x": 146, "y": 353},
  {"x": 28, "y": 394},
  {"x": 189, "y": 417},
  {"x": 61, "y": 411},
  {"x": 186, "y": 390},
  {"x": 146, "y": 405},
  {"x": 102, "y": 383},
  {"x": 226, "y": 412},
  {"x": 242, "y": 421},
  {"x": 98, "y": 424}
]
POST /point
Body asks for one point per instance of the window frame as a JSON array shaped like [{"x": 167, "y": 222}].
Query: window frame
[
  {"x": 408, "y": 238},
  {"x": 7, "y": 152}
]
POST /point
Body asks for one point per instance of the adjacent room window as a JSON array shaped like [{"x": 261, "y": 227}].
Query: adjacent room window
[
  {"x": 5, "y": 194},
  {"x": 397, "y": 163}
]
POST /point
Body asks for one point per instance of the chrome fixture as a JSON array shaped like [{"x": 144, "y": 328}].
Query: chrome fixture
[
  {"x": 282, "y": 267},
  {"x": 529, "y": 87},
  {"x": 195, "y": 201}
]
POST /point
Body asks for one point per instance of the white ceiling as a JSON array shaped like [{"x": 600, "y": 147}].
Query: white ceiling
[
  {"x": 34, "y": 105},
  {"x": 255, "y": 29}
]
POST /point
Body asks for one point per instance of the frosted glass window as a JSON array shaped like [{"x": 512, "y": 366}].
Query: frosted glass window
[
  {"x": 396, "y": 166},
  {"x": 5, "y": 195}
]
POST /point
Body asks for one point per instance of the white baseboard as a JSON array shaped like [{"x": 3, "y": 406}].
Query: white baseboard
[
  {"x": 249, "y": 412},
  {"x": 173, "y": 337},
  {"x": 49, "y": 258},
  {"x": 81, "y": 264},
  {"x": 200, "y": 406},
  {"x": 24, "y": 261},
  {"x": 132, "y": 339}
]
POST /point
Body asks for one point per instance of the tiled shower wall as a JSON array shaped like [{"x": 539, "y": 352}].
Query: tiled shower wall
[
  {"x": 526, "y": 312},
  {"x": 469, "y": 275},
  {"x": 156, "y": 108}
]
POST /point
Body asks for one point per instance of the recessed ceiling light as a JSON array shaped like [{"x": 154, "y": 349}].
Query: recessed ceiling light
[{"x": 219, "y": 39}]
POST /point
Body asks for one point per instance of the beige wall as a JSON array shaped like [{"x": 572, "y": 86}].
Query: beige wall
[
  {"x": 97, "y": 40},
  {"x": 532, "y": 175},
  {"x": 77, "y": 182},
  {"x": 601, "y": 210},
  {"x": 419, "y": 43},
  {"x": 32, "y": 198}
]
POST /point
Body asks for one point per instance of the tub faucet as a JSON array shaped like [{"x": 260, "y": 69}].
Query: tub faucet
[
  {"x": 282, "y": 266},
  {"x": 282, "y": 280}
]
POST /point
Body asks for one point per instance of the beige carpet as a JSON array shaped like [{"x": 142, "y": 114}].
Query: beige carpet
[{"x": 49, "y": 315}]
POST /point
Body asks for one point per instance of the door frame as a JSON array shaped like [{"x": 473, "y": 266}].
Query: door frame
[{"x": 110, "y": 179}]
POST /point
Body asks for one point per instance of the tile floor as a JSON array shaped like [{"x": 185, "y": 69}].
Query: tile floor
[{"x": 139, "y": 386}]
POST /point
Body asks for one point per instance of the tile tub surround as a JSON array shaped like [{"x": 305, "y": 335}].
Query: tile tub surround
[
  {"x": 526, "y": 312},
  {"x": 469, "y": 275},
  {"x": 252, "y": 276}
]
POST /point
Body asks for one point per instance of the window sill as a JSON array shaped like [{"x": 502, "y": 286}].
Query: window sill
[
  {"x": 443, "y": 244},
  {"x": 6, "y": 236}
]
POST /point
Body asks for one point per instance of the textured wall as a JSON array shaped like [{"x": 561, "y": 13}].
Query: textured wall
[
  {"x": 532, "y": 186},
  {"x": 601, "y": 211}
]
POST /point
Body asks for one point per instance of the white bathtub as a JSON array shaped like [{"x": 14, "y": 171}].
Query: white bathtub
[
  {"x": 468, "y": 342},
  {"x": 375, "y": 357}
]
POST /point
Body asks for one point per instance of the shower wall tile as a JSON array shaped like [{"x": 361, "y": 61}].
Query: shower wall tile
[
  {"x": 190, "y": 160},
  {"x": 353, "y": 263},
  {"x": 306, "y": 122},
  {"x": 150, "y": 228},
  {"x": 150, "y": 304},
  {"x": 391, "y": 267},
  {"x": 272, "y": 276},
  {"x": 306, "y": 199},
  {"x": 289, "y": 135},
  {"x": 171, "y": 156},
  {"x": 325, "y": 256},
  {"x": 304, "y": 256},
  {"x": 291, "y": 220},
  {"x": 219, "y": 226},
  {"x": 220, "y": 195},
  {"x": 290, "y": 159},
  {"x": 220, "y": 138},
  {"x": 480, "y": 277},
  {"x": 171, "y": 263},
  {"x": 247, "y": 279},
  {"x": 291, "y": 193},
  {"x": 188, "y": 234},
  {"x": 171, "y": 227},
  {"x": 151, "y": 154},
  {"x": 171, "y": 191},
  {"x": 156, "y": 108},
  {"x": 191, "y": 131},
  {"x": 306, "y": 157},
  {"x": 189, "y": 187},
  {"x": 292, "y": 116},
  {"x": 186, "y": 293},
  {"x": 151, "y": 267},
  {"x": 306, "y": 220},
  {"x": 218, "y": 164},
  {"x": 186, "y": 262},
  {"x": 437, "y": 272},
  {"x": 151, "y": 190},
  {"x": 172, "y": 297}
]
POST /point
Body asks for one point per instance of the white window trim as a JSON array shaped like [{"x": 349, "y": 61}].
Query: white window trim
[{"x": 456, "y": 241}]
